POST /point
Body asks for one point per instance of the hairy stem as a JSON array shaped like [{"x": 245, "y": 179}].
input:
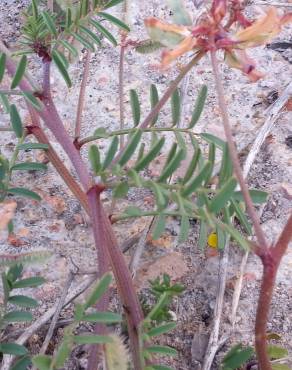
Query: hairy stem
[
  {"x": 234, "y": 157},
  {"x": 81, "y": 100},
  {"x": 101, "y": 224},
  {"x": 271, "y": 262},
  {"x": 59, "y": 166},
  {"x": 123, "y": 276},
  {"x": 263, "y": 308},
  {"x": 47, "y": 79},
  {"x": 93, "y": 197}
]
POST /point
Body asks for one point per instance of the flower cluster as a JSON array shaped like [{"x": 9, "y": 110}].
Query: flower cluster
[{"x": 215, "y": 32}]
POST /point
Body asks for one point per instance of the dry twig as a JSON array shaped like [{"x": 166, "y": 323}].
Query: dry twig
[
  {"x": 56, "y": 314},
  {"x": 81, "y": 99}
]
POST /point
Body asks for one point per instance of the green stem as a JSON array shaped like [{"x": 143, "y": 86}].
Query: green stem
[
  {"x": 128, "y": 131},
  {"x": 153, "y": 214}
]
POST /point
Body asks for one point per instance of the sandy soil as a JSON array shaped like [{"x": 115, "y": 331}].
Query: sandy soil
[{"x": 59, "y": 224}]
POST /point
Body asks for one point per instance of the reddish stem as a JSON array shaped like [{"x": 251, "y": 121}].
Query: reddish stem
[
  {"x": 271, "y": 261},
  {"x": 59, "y": 166},
  {"x": 108, "y": 247},
  {"x": 104, "y": 235},
  {"x": 47, "y": 79},
  {"x": 263, "y": 308}
]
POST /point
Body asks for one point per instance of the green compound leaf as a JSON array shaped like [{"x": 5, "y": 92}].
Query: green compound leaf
[
  {"x": 97, "y": 292},
  {"x": 276, "y": 352},
  {"x": 94, "y": 157},
  {"x": 59, "y": 62},
  {"x": 111, "y": 152},
  {"x": 69, "y": 47},
  {"x": 16, "y": 122},
  {"x": 50, "y": 23},
  {"x": 20, "y": 70},
  {"x": 18, "y": 316},
  {"x": 24, "y": 193},
  {"x": 115, "y": 21},
  {"x": 112, "y": 3},
  {"x": 236, "y": 357},
  {"x": 22, "y": 363},
  {"x": 91, "y": 35},
  {"x": 193, "y": 184},
  {"x": 203, "y": 235},
  {"x": 29, "y": 282},
  {"x": 148, "y": 46},
  {"x": 32, "y": 146},
  {"x": 104, "y": 317},
  {"x": 159, "y": 227},
  {"x": 172, "y": 165},
  {"x": 30, "y": 98},
  {"x": 163, "y": 350},
  {"x": 23, "y": 301},
  {"x": 199, "y": 106},
  {"x": 29, "y": 166},
  {"x": 257, "y": 196},
  {"x": 42, "y": 362},
  {"x": 104, "y": 31},
  {"x": 184, "y": 229},
  {"x": 135, "y": 106},
  {"x": 131, "y": 147},
  {"x": 150, "y": 156},
  {"x": 223, "y": 195},
  {"x": 175, "y": 107},
  {"x": 213, "y": 139},
  {"x": 5, "y": 102},
  {"x": 13, "y": 349},
  {"x": 2, "y": 66},
  {"x": 121, "y": 190},
  {"x": 162, "y": 329},
  {"x": 154, "y": 99},
  {"x": 192, "y": 166}
]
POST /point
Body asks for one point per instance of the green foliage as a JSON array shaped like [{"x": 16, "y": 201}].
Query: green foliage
[
  {"x": 16, "y": 121},
  {"x": 163, "y": 292},
  {"x": 19, "y": 73},
  {"x": 2, "y": 65},
  {"x": 60, "y": 35},
  {"x": 10, "y": 312},
  {"x": 156, "y": 320},
  {"x": 277, "y": 352},
  {"x": 175, "y": 107},
  {"x": 193, "y": 194},
  {"x": 44, "y": 362},
  {"x": 135, "y": 105},
  {"x": 237, "y": 356},
  {"x": 148, "y": 46}
]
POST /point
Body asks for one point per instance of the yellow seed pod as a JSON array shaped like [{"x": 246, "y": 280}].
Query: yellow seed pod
[
  {"x": 213, "y": 240},
  {"x": 116, "y": 354}
]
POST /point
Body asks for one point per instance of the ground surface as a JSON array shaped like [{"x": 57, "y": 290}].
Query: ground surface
[{"x": 59, "y": 224}]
